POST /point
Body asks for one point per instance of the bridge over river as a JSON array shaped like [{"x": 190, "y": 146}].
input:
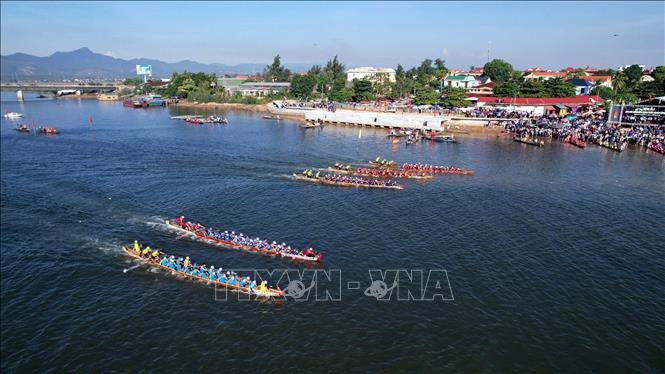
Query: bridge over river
[{"x": 55, "y": 87}]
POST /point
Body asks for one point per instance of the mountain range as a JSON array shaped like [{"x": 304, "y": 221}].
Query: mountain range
[{"x": 86, "y": 64}]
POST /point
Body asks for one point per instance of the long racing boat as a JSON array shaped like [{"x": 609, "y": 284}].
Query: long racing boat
[
  {"x": 392, "y": 174},
  {"x": 269, "y": 292},
  {"x": 199, "y": 233},
  {"x": 429, "y": 169},
  {"x": 365, "y": 184},
  {"x": 529, "y": 141}
]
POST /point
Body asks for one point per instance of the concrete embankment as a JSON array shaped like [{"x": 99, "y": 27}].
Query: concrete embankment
[
  {"x": 407, "y": 121},
  {"x": 422, "y": 121}
]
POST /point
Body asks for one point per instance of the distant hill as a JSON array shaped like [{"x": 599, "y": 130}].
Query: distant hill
[{"x": 85, "y": 64}]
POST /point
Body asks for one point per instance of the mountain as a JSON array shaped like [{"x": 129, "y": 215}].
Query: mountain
[{"x": 86, "y": 64}]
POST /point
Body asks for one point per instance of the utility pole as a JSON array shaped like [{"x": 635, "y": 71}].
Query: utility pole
[{"x": 488, "y": 50}]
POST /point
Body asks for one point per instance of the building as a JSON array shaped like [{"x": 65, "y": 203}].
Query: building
[
  {"x": 541, "y": 106},
  {"x": 460, "y": 81},
  {"x": 599, "y": 80},
  {"x": 486, "y": 89},
  {"x": 582, "y": 86},
  {"x": 370, "y": 73},
  {"x": 545, "y": 75},
  {"x": 477, "y": 72},
  {"x": 646, "y": 78},
  {"x": 258, "y": 88}
]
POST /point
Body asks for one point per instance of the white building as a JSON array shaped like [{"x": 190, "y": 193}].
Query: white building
[
  {"x": 259, "y": 88},
  {"x": 370, "y": 73},
  {"x": 461, "y": 81}
]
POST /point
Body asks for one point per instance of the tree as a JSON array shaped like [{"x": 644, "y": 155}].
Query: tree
[
  {"x": 382, "y": 85},
  {"x": 557, "y": 87},
  {"x": 363, "y": 90},
  {"x": 334, "y": 71},
  {"x": 345, "y": 94},
  {"x": 302, "y": 86},
  {"x": 400, "y": 81},
  {"x": 454, "y": 97},
  {"x": 276, "y": 72},
  {"x": 498, "y": 70},
  {"x": 605, "y": 93},
  {"x": 533, "y": 88},
  {"x": 646, "y": 90},
  {"x": 188, "y": 85},
  {"x": 135, "y": 81},
  {"x": 659, "y": 73},
  {"x": 507, "y": 89},
  {"x": 625, "y": 97},
  {"x": 425, "y": 95},
  {"x": 633, "y": 74}
]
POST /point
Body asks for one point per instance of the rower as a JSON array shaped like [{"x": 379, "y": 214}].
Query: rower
[
  {"x": 317, "y": 174},
  {"x": 309, "y": 174},
  {"x": 304, "y": 172},
  {"x": 264, "y": 286},
  {"x": 137, "y": 246},
  {"x": 164, "y": 262},
  {"x": 154, "y": 254},
  {"x": 309, "y": 252},
  {"x": 187, "y": 262},
  {"x": 145, "y": 252}
]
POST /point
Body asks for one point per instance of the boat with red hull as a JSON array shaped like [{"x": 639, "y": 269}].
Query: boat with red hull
[{"x": 199, "y": 233}]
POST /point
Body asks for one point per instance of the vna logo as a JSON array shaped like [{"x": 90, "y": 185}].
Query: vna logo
[{"x": 409, "y": 285}]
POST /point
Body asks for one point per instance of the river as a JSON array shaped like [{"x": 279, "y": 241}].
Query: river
[{"x": 553, "y": 256}]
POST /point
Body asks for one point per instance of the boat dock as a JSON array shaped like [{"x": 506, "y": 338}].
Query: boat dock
[{"x": 385, "y": 120}]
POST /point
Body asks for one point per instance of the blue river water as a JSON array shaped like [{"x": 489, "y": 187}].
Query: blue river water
[{"x": 554, "y": 255}]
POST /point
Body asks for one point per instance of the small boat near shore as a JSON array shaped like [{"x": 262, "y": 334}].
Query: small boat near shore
[
  {"x": 411, "y": 140},
  {"x": 613, "y": 146},
  {"x": 442, "y": 138},
  {"x": 159, "y": 263},
  {"x": 199, "y": 233},
  {"x": 22, "y": 128},
  {"x": 312, "y": 125},
  {"x": 529, "y": 141},
  {"x": 275, "y": 117},
  {"x": 11, "y": 115},
  {"x": 48, "y": 130},
  {"x": 575, "y": 141},
  {"x": 364, "y": 183},
  {"x": 656, "y": 148}
]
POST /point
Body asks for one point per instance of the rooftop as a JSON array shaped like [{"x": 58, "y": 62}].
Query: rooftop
[{"x": 539, "y": 101}]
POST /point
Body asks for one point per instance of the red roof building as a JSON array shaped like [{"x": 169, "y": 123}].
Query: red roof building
[
  {"x": 542, "y": 101},
  {"x": 486, "y": 89}
]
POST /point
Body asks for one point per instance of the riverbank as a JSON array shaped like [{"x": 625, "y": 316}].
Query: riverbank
[{"x": 398, "y": 120}]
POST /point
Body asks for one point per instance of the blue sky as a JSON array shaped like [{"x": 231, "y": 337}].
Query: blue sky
[{"x": 547, "y": 34}]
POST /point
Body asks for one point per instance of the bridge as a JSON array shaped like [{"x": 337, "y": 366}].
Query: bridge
[{"x": 54, "y": 87}]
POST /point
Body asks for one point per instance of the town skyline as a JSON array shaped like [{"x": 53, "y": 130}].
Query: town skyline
[{"x": 235, "y": 33}]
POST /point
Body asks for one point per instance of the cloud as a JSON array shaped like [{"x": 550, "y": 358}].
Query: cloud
[{"x": 445, "y": 52}]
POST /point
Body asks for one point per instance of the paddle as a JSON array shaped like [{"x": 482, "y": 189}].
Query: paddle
[{"x": 133, "y": 267}]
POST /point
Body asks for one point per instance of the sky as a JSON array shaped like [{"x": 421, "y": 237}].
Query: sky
[{"x": 382, "y": 34}]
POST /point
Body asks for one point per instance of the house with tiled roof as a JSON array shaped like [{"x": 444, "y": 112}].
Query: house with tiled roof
[
  {"x": 465, "y": 81},
  {"x": 486, "y": 89},
  {"x": 545, "y": 75},
  {"x": 539, "y": 105},
  {"x": 599, "y": 80},
  {"x": 582, "y": 87}
]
